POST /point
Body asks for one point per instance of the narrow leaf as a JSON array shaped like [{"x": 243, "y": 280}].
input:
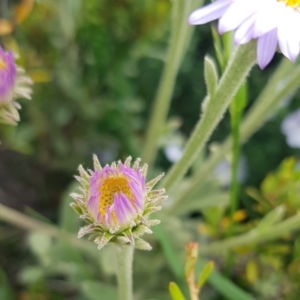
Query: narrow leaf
[
  {"x": 5, "y": 288},
  {"x": 272, "y": 217},
  {"x": 205, "y": 274},
  {"x": 224, "y": 286},
  {"x": 211, "y": 75},
  {"x": 97, "y": 165},
  {"x": 175, "y": 291},
  {"x": 142, "y": 245}
]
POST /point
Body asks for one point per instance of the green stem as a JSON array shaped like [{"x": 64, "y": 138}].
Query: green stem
[
  {"x": 236, "y": 71},
  {"x": 234, "y": 184},
  {"x": 288, "y": 75},
  {"x": 124, "y": 260},
  {"x": 236, "y": 110},
  {"x": 24, "y": 222},
  {"x": 254, "y": 236},
  {"x": 124, "y": 254},
  {"x": 180, "y": 37},
  {"x": 20, "y": 220}
]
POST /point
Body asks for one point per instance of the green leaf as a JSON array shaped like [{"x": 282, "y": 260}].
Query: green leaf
[
  {"x": 218, "y": 47},
  {"x": 5, "y": 289},
  {"x": 169, "y": 253},
  {"x": 39, "y": 243},
  {"x": 274, "y": 216},
  {"x": 68, "y": 220},
  {"x": 31, "y": 275},
  {"x": 205, "y": 274},
  {"x": 175, "y": 291},
  {"x": 94, "y": 290},
  {"x": 210, "y": 75},
  {"x": 224, "y": 286},
  {"x": 142, "y": 245},
  {"x": 227, "y": 288}
]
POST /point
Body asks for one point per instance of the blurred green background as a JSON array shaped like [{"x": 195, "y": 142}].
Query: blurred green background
[{"x": 96, "y": 65}]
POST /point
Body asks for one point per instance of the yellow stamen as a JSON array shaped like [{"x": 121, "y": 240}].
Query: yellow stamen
[
  {"x": 292, "y": 3},
  {"x": 111, "y": 186},
  {"x": 2, "y": 64}
]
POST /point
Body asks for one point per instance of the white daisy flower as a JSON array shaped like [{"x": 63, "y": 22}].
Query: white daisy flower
[
  {"x": 272, "y": 22},
  {"x": 173, "y": 152},
  {"x": 290, "y": 127},
  {"x": 223, "y": 171}
]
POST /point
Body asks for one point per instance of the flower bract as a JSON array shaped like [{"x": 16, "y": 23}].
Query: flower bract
[
  {"x": 116, "y": 203},
  {"x": 272, "y": 22},
  {"x": 13, "y": 84}
]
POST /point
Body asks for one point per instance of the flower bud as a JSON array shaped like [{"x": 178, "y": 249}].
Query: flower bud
[
  {"x": 116, "y": 202},
  {"x": 13, "y": 84}
]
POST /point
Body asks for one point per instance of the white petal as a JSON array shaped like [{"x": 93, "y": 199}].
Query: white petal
[
  {"x": 288, "y": 34},
  {"x": 267, "y": 18},
  {"x": 209, "y": 12},
  {"x": 293, "y": 140},
  {"x": 173, "y": 152},
  {"x": 291, "y": 123},
  {"x": 244, "y": 33},
  {"x": 266, "y": 48},
  {"x": 236, "y": 14}
]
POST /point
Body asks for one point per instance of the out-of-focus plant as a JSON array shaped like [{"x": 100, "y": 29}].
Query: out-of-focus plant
[
  {"x": 280, "y": 188},
  {"x": 95, "y": 64},
  {"x": 276, "y": 200},
  {"x": 73, "y": 79},
  {"x": 191, "y": 253}
]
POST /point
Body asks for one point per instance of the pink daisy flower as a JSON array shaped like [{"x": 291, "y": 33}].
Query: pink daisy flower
[
  {"x": 13, "y": 84},
  {"x": 116, "y": 201}
]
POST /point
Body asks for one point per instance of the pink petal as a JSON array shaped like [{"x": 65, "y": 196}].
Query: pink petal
[
  {"x": 123, "y": 208},
  {"x": 93, "y": 205}
]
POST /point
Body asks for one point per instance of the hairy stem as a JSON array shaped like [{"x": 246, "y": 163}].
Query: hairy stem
[
  {"x": 180, "y": 37},
  {"x": 25, "y": 222},
  {"x": 284, "y": 82},
  {"x": 236, "y": 71},
  {"x": 124, "y": 260}
]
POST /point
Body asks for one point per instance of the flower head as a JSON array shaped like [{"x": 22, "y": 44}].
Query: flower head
[
  {"x": 116, "y": 202},
  {"x": 271, "y": 22},
  {"x": 13, "y": 84}
]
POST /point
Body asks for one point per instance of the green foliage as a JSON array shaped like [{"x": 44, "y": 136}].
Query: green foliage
[
  {"x": 175, "y": 291},
  {"x": 211, "y": 76},
  {"x": 92, "y": 290},
  {"x": 279, "y": 188},
  {"x": 5, "y": 288},
  {"x": 205, "y": 274},
  {"x": 96, "y": 66}
]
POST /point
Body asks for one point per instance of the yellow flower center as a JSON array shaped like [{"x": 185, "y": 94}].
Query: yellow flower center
[
  {"x": 2, "y": 64},
  {"x": 111, "y": 186},
  {"x": 292, "y": 3}
]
